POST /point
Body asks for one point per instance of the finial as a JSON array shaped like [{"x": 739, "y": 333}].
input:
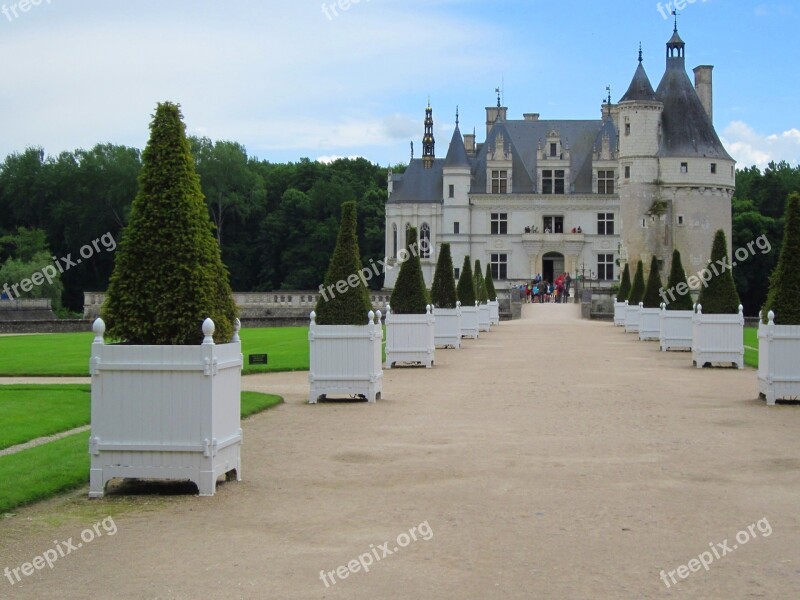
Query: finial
[
  {"x": 208, "y": 331},
  {"x": 412, "y": 149},
  {"x": 497, "y": 90},
  {"x": 608, "y": 89},
  {"x": 429, "y": 100},
  {"x": 640, "y": 52},
  {"x": 675, "y": 14},
  {"x": 456, "y": 115}
]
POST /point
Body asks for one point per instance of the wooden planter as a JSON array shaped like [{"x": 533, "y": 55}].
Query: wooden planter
[
  {"x": 632, "y": 314},
  {"x": 447, "y": 327},
  {"x": 494, "y": 312},
  {"x": 778, "y": 361},
  {"x": 469, "y": 322},
  {"x": 718, "y": 339},
  {"x": 675, "y": 331},
  {"x": 410, "y": 338},
  {"x": 484, "y": 321},
  {"x": 619, "y": 313},
  {"x": 165, "y": 412},
  {"x": 345, "y": 360},
  {"x": 649, "y": 324}
]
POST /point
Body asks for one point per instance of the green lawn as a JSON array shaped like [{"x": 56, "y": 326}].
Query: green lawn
[
  {"x": 28, "y": 412},
  {"x": 67, "y": 354},
  {"x": 46, "y": 470},
  {"x": 751, "y": 339}
]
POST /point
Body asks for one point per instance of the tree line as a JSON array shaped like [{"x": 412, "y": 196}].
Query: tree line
[{"x": 276, "y": 223}]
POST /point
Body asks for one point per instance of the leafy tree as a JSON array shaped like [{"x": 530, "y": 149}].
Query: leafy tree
[
  {"x": 443, "y": 290},
  {"x": 480, "y": 285},
  {"x": 409, "y": 296},
  {"x": 677, "y": 278},
  {"x": 637, "y": 290},
  {"x": 719, "y": 297},
  {"x": 625, "y": 284},
  {"x": 350, "y": 307},
  {"x": 651, "y": 297},
  {"x": 466, "y": 285},
  {"x": 489, "y": 281},
  {"x": 168, "y": 274},
  {"x": 784, "y": 284}
]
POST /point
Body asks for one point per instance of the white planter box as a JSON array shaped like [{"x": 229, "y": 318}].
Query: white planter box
[
  {"x": 675, "y": 331},
  {"x": 717, "y": 339},
  {"x": 494, "y": 312},
  {"x": 631, "y": 318},
  {"x": 345, "y": 360},
  {"x": 484, "y": 322},
  {"x": 469, "y": 322},
  {"x": 619, "y": 313},
  {"x": 410, "y": 338},
  {"x": 778, "y": 361},
  {"x": 447, "y": 327},
  {"x": 165, "y": 412},
  {"x": 649, "y": 324}
]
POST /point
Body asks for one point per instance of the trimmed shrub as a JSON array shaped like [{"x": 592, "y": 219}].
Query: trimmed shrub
[
  {"x": 719, "y": 297},
  {"x": 624, "y": 284},
  {"x": 466, "y": 285},
  {"x": 783, "y": 297},
  {"x": 677, "y": 277},
  {"x": 168, "y": 273},
  {"x": 481, "y": 295},
  {"x": 351, "y": 306},
  {"x": 489, "y": 281},
  {"x": 410, "y": 296},
  {"x": 651, "y": 298},
  {"x": 443, "y": 290},
  {"x": 637, "y": 289}
]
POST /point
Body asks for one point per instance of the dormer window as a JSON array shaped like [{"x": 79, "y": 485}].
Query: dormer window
[
  {"x": 499, "y": 182},
  {"x": 553, "y": 150}
]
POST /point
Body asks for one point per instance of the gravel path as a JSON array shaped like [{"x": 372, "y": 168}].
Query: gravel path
[{"x": 42, "y": 440}]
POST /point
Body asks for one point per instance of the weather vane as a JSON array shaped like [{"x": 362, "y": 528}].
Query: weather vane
[{"x": 675, "y": 14}]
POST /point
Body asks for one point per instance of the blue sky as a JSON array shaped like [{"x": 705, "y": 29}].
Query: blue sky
[{"x": 298, "y": 78}]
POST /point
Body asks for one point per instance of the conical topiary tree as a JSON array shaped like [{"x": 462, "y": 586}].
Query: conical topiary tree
[
  {"x": 719, "y": 297},
  {"x": 410, "y": 296},
  {"x": 651, "y": 298},
  {"x": 637, "y": 289},
  {"x": 168, "y": 274},
  {"x": 466, "y": 285},
  {"x": 783, "y": 297},
  {"x": 625, "y": 284},
  {"x": 351, "y": 306},
  {"x": 443, "y": 290},
  {"x": 480, "y": 285},
  {"x": 489, "y": 281},
  {"x": 677, "y": 282}
]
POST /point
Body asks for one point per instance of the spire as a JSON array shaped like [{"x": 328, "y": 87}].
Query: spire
[
  {"x": 428, "y": 142},
  {"x": 457, "y": 152},
  {"x": 640, "y": 90}
]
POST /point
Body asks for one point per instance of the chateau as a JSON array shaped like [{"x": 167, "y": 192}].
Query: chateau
[{"x": 584, "y": 196}]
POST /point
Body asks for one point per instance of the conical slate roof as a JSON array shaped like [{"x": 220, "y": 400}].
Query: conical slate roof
[
  {"x": 457, "y": 153},
  {"x": 640, "y": 90}
]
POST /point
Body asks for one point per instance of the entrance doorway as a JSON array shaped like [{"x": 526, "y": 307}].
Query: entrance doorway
[{"x": 552, "y": 265}]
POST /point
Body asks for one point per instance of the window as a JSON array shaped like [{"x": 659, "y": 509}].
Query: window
[
  {"x": 553, "y": 224},
  {"x": 713, "y": 168},
  {"x": 684, "y": 167},
  {"x": 553, "y": 181},
  {"x": 425, "y": 241},
  {"x": 457, "y": 272},
  {"x": 451, "y": 191},
  {"x": 498, "y": 264},
  {"x": 394, "y": 241},
  {"x": 605, "y": 223},
  {"x": 499, "y": 223},
  {"x": 499, "y": 182},
  {"x": 553, "y": 148},
  {"x": 627, "y": 126},
  {"x": 456, "y": 227},
  {"x": 605, "y": 182},
  {"x": 605, "y": 267},
  {"x": 680, "y": 220},
  {"x": 627, "y": 172}
]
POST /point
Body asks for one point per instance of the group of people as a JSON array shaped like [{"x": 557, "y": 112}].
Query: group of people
[{"x": 541, "y": 291}]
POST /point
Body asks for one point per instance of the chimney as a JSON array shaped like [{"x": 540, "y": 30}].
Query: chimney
[
  {"x": 493, "y": 114},
  {"x": 469, "y": 143},
  {"x": 704, "y": 87},
  {"x": 531, "y": 116}
]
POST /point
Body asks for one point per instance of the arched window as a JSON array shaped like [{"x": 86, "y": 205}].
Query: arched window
[
  {"x": 425, "y": 241},
  {"x": 394, "y": 240}
]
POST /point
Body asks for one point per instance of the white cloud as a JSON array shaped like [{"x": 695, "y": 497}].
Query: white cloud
[{"x": 750, "y": 147}]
